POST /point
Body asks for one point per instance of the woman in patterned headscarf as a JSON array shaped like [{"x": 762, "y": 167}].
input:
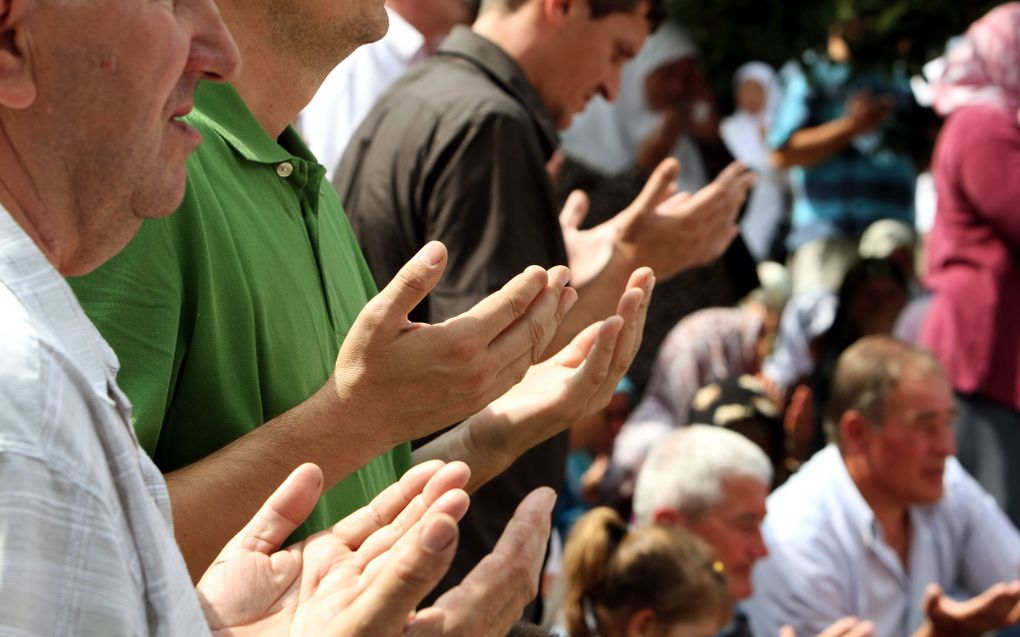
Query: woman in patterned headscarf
[{"x": 974, "y": 248}]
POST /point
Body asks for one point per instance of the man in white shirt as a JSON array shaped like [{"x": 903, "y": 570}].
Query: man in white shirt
[
  {"x": 884, "y": 520},
  {"x": 91, "y": 143},
  {"x": 713, "y": 482},
  {"x": 349, "y": 92}
]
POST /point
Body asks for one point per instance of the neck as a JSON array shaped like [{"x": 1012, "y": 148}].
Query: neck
[
  {"x": 516, "y": 35},
  {"x": 276, "y": 82},
  {"x": 31, "y": 206},
  {"x": 891, "y": 514}
]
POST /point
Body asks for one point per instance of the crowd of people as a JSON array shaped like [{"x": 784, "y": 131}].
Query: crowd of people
[{"x": 355, "y": 332}]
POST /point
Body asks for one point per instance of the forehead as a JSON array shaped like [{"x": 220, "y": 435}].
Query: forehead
[
  {"x": 741, "y": 496},
  {"x": 921, "y": 392},
  {"x": 622, "y": 27}
]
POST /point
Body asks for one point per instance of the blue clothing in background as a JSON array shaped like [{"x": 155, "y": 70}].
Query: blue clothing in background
[{"x": 867, "y": 181}]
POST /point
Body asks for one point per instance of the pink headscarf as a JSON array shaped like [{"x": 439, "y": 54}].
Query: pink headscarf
[{"x": 984, "y": 68}]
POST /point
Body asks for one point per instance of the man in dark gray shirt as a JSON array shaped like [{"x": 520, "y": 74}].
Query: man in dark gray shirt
[{"x": 457, "y": 151}]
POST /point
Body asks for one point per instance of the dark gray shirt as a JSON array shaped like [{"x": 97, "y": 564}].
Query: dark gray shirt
[{"x": 456, "y": 151}]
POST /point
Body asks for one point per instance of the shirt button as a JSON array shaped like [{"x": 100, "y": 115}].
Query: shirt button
[{"x": 286, "y": 169}]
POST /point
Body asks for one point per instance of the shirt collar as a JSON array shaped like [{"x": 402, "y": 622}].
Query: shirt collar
[
  {"x": 48, "y": 299},
  {"x": 221, "y": 108},
  {"x": 504, "y": 70},
  {"x": 858, "y": 511}
]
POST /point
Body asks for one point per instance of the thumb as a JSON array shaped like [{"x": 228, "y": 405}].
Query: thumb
[
  {"x": 411, "y": 284},
  {"x": 574, "y": 210},
  {"x": 284, "y": 511},
  {"x": 787, "y": 631}
]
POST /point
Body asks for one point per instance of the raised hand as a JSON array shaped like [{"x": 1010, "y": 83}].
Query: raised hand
[
  {"x": 493, "y": 595},
  {"x": 995, "y": 608},
  {"x": 867, "y": 112},
  {"x": 578, "y": 380},
  {"x": 673, "y": 232},
  {"x": 362, "y": 577},
  {"x": 845, "y": 627},
  {"x": 588, "y": 251},
  {"x": 406, "y": 380}
]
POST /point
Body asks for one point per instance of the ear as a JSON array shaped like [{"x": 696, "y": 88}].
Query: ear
[
  {"x": 853, "y": 430},
  {"x": 17, "y": 85},
  {"x": 642, "y": 623},
  {"x": 555, "y": 12},
  {"x": 669, "y": 517}
]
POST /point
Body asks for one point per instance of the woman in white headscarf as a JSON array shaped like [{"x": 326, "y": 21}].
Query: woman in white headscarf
[
  {"x": 662, "y": 100},
  {"x": 744, "y": 132}
]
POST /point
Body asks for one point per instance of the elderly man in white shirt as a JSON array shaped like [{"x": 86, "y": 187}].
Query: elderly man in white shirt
[
  {"x": 882, "y": 521},
  {"x": 350, "y": 91},
  {"x": 91, "y": 143}
]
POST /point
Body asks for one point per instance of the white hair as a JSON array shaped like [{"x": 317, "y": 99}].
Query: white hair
[{"x": 685, "y": 472}]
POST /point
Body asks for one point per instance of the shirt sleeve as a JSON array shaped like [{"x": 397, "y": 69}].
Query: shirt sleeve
[
  {"x": 793, "y": 112},
  {"x": 487, "y": 196},
  {"x": 64, "y": 570},
  {"x": 136, "y": 301}
]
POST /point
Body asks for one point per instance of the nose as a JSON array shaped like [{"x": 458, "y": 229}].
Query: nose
[
  {"x": 610, "y": 86},
  {"x": 757, "y": 548},
  {"x": 214, "y": 54},
  {"x": 944, "y": 443}
]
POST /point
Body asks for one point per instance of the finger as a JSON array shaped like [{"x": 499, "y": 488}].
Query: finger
[
  {"x": 532, "y": 332},
  {"x": 502, "y": 583},
  {"x": 787, "y": 631},
  {"x": 595, "y": 369},
  {"x": 385, "y": 507},
  {"x": 659, "y": 187},
  {"x": 498, "y": 311},
  {"x": 281, "y": 513},
  {"x": 452, "y": 503},
  {"x": 574, "y": 210},
  {"x": 576, "y": 351},
  {"x": 416, "y": 567},
  {"x": 412, "y": 283},
  {"x": 840, "y": 627},
  {"x": 733, "y": 171},
  {"x": 863, "y": 629}
]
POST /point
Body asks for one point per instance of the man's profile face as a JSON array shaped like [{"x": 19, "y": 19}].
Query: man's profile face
[
  {"x": 733, "y": 529},
  {"x": 907, "y": 453},
  {"x": 591, "y": 54},
  {"x": 114, "y": 77}
]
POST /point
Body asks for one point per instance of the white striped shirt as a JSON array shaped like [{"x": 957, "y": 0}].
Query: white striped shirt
[{"x": 86, "y": 544}]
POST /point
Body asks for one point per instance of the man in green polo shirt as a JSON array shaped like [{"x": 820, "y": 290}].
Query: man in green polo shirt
[{"x": 231, "y": 312}]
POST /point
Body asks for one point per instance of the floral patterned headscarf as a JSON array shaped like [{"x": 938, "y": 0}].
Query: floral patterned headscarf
[{"x": 984, "y": 67}]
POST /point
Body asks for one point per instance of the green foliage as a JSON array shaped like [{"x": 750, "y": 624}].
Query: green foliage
[{"x": 731, "y": 32}]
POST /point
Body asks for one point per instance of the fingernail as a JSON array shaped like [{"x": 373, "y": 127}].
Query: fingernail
[
  {"x": 437, "y": 535},
  {"x": 546, "y": 497},
  {"x": 431, "y": 254},
  {"x": 563, "y": 278}
]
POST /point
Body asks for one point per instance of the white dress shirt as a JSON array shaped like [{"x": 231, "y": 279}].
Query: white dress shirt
[
  {"x": 86, "y": 543},
  {"x": 352, "y": 88},
  {"x": 827, "y": 557}
]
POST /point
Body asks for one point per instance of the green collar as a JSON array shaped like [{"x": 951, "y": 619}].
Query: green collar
[{"x": 219, "y": 107}]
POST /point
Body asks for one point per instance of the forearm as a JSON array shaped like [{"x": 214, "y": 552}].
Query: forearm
[
  {"x": 488, "y": 442},
  {"x": 810, "y": 146},
  {"x": 215, "y": 497}
]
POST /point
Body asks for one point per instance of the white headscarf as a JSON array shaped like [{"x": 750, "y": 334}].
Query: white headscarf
[
  {"x": 742, "y": 131},
  {"x": 607, "y": 135}
]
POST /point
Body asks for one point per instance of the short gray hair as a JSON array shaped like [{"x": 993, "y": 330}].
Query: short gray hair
[{"x": 685, "y": 472}]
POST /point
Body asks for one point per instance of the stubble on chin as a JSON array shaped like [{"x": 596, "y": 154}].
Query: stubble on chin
[{"x": 323, "y": 45}]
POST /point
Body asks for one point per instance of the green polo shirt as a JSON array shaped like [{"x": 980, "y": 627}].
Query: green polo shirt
[{"x": 232, "y": 310}]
